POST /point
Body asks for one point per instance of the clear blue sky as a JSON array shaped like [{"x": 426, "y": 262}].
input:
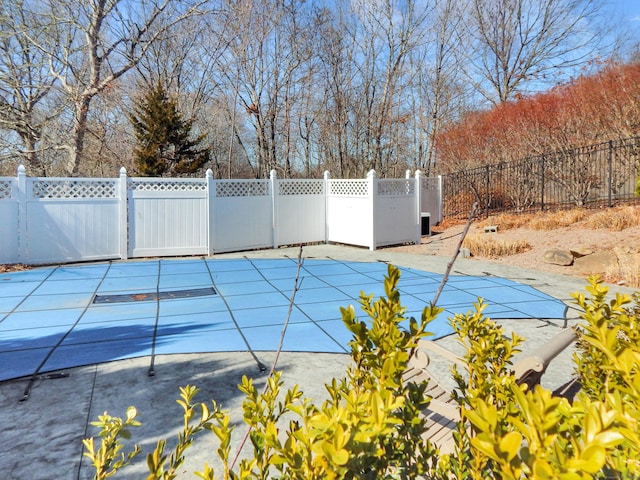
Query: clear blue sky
[{"x": 629, "y": 11}]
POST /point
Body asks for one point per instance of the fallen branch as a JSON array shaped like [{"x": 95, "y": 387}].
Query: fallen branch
[
  {"x": 455, "y": 254},
  {"x": 296, "y": 287}
]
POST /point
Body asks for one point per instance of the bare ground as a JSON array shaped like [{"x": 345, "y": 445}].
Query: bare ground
[
  {"x": 622, "y": 266},
  {"x": 15, "y": 267}
]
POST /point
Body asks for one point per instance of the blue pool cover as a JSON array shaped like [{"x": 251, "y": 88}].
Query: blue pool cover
[{"x": 67, "y": 316}]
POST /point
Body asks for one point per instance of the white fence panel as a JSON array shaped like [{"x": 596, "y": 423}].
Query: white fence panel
[
  {"x": 70, "y": 220},
  {"x": 51, "y": 220},
  {"x": 350, "y": 212},
  {"x": 8, "y": 220},
  {"x": 396, "y": 219},
  {"x": 300, "y": 211},
  {"x": 242, "y": 215},
  {"x": 167, "y": 217},
  {"x": 431, "y": 198}
]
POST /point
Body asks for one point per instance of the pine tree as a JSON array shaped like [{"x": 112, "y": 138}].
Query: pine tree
[{"x": 164, "y": 144}]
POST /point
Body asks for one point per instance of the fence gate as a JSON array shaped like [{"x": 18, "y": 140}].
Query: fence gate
[{"x": 167, "y": 216}]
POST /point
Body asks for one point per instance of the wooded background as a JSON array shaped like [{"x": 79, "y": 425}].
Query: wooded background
[{"x": 307, "y": 86}]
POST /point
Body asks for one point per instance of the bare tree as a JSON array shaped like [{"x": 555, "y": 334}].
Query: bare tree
[
  {"x": 521, "y": 41},
  {"x": 337, "y": 105},
  {"x": 103, "y": 40},
  {"x": 438, "y": 89},
  {"x": 388, "y": 32},
  {"x": 25, "y": 85},
  {"x": 261, "y": 68},
  {"x": 364, "y": 52}
]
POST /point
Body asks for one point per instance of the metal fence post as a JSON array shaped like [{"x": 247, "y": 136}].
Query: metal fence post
[
  {"x": 542, "y": 183},
  {"x": 440, "y": 199},
  {"x": 610, "y": 174},
  {"x": 486, "y": 192}
]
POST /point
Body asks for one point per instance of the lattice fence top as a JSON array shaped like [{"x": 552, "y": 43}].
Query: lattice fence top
[
  {"x": 395, "y": 187},
  {"x": 430, "y": 183},
  {"x": 349, "y": 187},
  {"x": 167, "y": 185},
  {"x": 301, "y": 187},
  {"x": 73, "y": 188},
  {"x": 5, "y": 189},
  {"x": 239, "y": 188}
]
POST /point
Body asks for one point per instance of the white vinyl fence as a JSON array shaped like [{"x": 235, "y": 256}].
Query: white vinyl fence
[{"x": 58, "y": 220}]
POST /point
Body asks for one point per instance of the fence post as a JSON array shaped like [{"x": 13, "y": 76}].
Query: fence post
[
  {"x": 610, "y": 174},
  {"x": 418, "y": 190},
  {"x": 210, "y": 222},
  {"x": 486, "y": 192},
  {"x": 326, "y": 178},
  {"x": 273, "y": 177},
  {"x": 22, "y": 215},
  {"x": 373, "y": 194},
  {"x": 542, "y": 183},
  {"x": 440, "y": 198},
  {"x": 123, "y": 212}
]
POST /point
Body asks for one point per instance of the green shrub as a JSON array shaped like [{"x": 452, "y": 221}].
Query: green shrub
[
  {"x": 595, "y": 436},
  {"x": 370, "y": 427}
]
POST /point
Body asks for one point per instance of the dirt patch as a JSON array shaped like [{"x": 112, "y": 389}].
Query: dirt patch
[
  {"x": 572, "y": 238},
  {"x": 17, "y": 267}
]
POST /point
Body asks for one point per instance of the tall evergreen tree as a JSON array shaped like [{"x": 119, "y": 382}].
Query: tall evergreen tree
[{"x": 165, "y": 146}]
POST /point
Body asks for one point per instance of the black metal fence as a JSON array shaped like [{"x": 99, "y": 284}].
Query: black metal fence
[{"x": 596, "y": 175}]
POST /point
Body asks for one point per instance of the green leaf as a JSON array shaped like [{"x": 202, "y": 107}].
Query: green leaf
[
  {"x": 608, "y": 439},
  {"x": 542, "y": 470},
  {"x": 593, "y": 458},
  {"x": 340, "y": 457},
  {"x": 510, "y": 444}
]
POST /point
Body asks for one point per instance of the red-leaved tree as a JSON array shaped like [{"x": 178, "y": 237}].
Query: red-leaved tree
[{"x": 587, "y": 110}]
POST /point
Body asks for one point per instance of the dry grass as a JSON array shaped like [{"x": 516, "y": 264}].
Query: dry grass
[
  {"x": 507, "y": 221},
  {"x": 616, "y": 219},
  {"x": 561, "y": 218},
  {"x": 482, "y": 245},
  {"x": 448, "y": 222}
]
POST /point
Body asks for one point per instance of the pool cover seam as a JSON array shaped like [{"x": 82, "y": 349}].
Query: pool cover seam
[
  {"x": 339, "y": 288},
  {"x": 151, "y": 372},
  {"x": 316, "y": 323},
  {"x": 29, "y": 294},
  {"x": 34, "y": 375},
  {"x": 260, "y": 365},
  {"x": 299, "y": 285},
  {"x": 295, "y": 304}
]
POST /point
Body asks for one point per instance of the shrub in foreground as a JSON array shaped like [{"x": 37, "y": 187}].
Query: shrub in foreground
[{"x": 370, "y": 427}]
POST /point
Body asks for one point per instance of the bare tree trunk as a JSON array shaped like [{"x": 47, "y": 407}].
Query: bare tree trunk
[{"x": 79, "y": 131}]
